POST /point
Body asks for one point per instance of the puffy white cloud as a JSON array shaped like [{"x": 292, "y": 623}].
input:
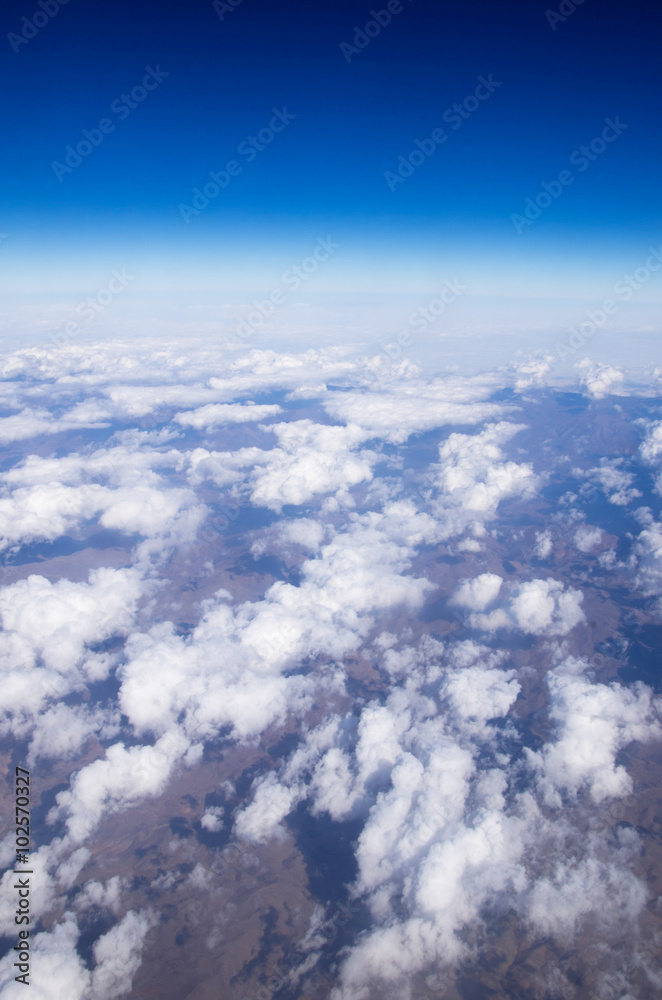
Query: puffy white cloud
[
  {"x": 311, "y": 459},
  {"x": 616, "y": 484},
  {"x": 476, "y": 594},
  {"x": 543, "y": 546},
  {"x": 106, "y": 895},
  {"x": 455, "y": 820},
  {"x": 56, "y": 970},
  {"x": 593, "y": 723},
  {"x": 61, "y": 731},
  {"x": 47, "y": 511},
  {"x": 651, "y": 447},
  {"x": 304, "y": 531},
  {"x": 221, "y": 414},
  {"x": 224, "y": 468},
  {"x": 127, "y": 464},
  {"x": 472, "y": 478},
  {"x": 600, "y": 380},
  {"x": 647, "y": 554},
  {"x": 532, "y": 372},
  {"x": 262, "y": 818},
  {"x": 587, "y": 538},
  {"x": 396, "y": 412},
  {"x": 212, "y": 819},
  {"x": 120, "y": 779},
  {"x": 590, "y": 887},
  {"x": 538, "y": 607},
  {"x": 32, "y": 423},
  {"x": 232, "y": 670},
  {"x": 118, "y": 955},
  {"x": 44, "y": 650}
]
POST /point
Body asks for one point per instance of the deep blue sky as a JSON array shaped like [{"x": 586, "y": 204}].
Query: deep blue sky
[{"x": 324, "y": 174}]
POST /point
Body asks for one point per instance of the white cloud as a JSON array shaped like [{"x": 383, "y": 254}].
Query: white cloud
[
  {"x": 311, "y": 459},
  {"x": 357, "y": 575},
  {"x": 221, "y": 414},
  {"x": 32, "y": 423},
  {"x": 262, "y": 818},
  {"x": 455, "y": 821},
  {"x": 651, "y": 447},
  {"x": 538, "y": 607},
  {"x": 587, "y": 538},
  {"x": 476, "y": 594},
  {"x": 647, "y": 554},
  {"x": 120, "y": 779},
  {"x": 616, "y": 484},
  {"x": 405, "y": 408},
  {"x": 594, "y": 722},
  {"x": 118, "y": 955},
  {"x": 212, "y": 819},
  {"x": 56, "y": 970},
  {"x": 543, "y": 546},
  {"x": 304, "y": 531},
  {"x": 473, "y": 479},
  {"x": 600, "y": 380},
  {"x": 44, "y": 650},
  {"x": 48, "y": 511}
]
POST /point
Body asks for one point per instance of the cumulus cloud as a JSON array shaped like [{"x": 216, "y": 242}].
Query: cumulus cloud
[
  {"x": 599, "y": 380},
  {"x": 647, "y": 554},
  {"x": 587, "y": 538},
  {"x": 651, "y": 447},
  {"x": 472, "y": 478},
  {"x": 538, "y": 607},
  {"x": 396, "y": 412},
  {"x": 56, "y": 969},
  {"x": 55, "y": 966},
  {"x": 118, "y": 955},
  {"x": 221, "y": 414},
  {"x": 120, "y": 779},
  {"x": 304, "y": 531},
  {"x": 30, "y": 423},
  {"x": 47, "y": 511},
  {"x": 444, "y": 832},
  {"x": 456, "y": 818},
  {"x": 593, "y": 722},
  {"x": 233, "y": 669},
  {"x": 311, "y": 459},
  {"x": 543, "y": 547},
  {"x": 476, "y": 594},
  {"x": 615, "y": 482},
  {"x": 45, "y": 654},
  {"x": 263, "y": 817}
]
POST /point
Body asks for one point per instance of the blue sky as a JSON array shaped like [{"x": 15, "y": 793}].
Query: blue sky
[{"x": 357, "y": 118}]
